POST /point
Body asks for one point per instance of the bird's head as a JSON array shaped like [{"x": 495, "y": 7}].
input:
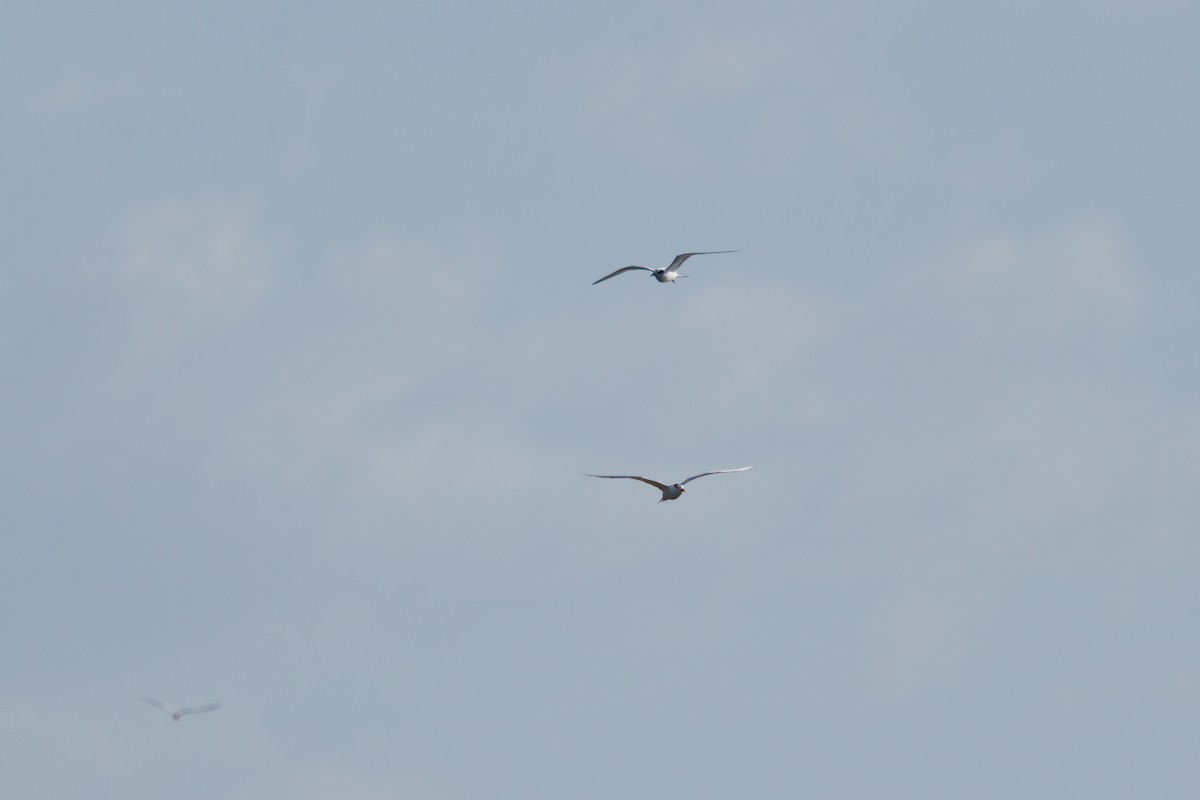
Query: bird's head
[{"x": 680, "y": 488}]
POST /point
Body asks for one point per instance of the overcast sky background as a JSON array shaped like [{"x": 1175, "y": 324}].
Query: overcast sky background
[{"x": 301, "y": 362}]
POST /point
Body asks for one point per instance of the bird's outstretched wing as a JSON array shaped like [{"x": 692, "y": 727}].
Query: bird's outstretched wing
[
  {"x": 660, "y": 486},
  {"x": 618, "y": 272},
  {"x": 682, "y": 257},
  {"x": 714, "y": 472},
  {"x": 157, "y": 704},
  {"x": 200, "y": 709}
]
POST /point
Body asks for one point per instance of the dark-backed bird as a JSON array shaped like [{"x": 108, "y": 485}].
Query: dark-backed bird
[
  {"x": 675, "y": 490},
  {"x": 669, "y": 274}
]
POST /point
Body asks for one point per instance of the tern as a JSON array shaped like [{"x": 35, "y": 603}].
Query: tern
[
  {"x": 669, "y": 274},
  {"x": 177, "y": 713},
  {"x": 675, "y": 490}
]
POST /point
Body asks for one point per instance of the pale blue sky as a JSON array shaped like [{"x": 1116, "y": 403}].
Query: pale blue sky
[{"x": 302, "y": 363}]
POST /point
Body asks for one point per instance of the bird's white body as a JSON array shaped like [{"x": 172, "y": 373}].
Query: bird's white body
[
  {"x": 673, "y": 491},
  {"x": 666, "y": 274},
  {"x": 178, "y": 713}
]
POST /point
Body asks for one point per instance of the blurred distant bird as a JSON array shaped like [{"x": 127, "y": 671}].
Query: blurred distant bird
[
  {"x": 673, "y": 491},
  {"x": 177, "y": 713},
  {"x": 669, "y": 274}
]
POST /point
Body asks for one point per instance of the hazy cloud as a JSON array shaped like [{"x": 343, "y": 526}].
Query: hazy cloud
[
  {"x": 78, "y": 91},
  {"x": 761, "y": 96}
]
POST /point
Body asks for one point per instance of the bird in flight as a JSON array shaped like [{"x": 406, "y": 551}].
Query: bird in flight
[
  {"x": 675, "y": 490},
  {"x": 177, "y": 713},
  {"x": 669, "y": 274}
]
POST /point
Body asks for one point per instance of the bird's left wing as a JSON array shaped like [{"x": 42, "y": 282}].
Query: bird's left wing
[
  {"x": 682, "y": 257},
  {"x": 157, "y": 703},
  {"x": 660, "y": 486},
  {"x": 715, "y": 472},
  {"x": 200, "y": 709},
  {"x": 619, "y": 271}
]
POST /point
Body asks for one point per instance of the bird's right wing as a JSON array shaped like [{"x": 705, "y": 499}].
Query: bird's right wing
[
  {"x": 200, "y": 709},
  {"x": 656, "y": 484},
  {"x": 682, "y": 257},
  {"x": 715, "y": 472},
  {"x": 618, "y": 272},
  {"x": 157, "y": 703}
]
